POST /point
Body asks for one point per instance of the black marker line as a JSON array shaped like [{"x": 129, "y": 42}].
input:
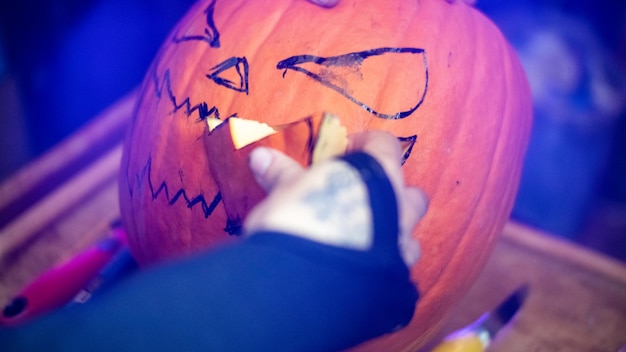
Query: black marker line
[
  {"x": 211, "y": 35},
  {"x": 411, "y": 139},
  {"x": 164, "y": 84},
  {"x": 240, "y": 65},
  {"x": 354, "y": 59},
  {"x": 146, "y": 172}
]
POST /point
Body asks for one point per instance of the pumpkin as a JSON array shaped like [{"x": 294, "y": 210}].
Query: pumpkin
[{"x": 437, "y": 73}]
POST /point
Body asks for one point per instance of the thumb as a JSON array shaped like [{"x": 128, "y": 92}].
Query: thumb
[{"x": 271, "y": 167}]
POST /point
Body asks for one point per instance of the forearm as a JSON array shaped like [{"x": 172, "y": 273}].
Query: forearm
[
  {"x": 272, "y": 291},
  {"x": 278, "y": 292}
]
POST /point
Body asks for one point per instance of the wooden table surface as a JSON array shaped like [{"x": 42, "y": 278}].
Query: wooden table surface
[
  {"x": 576, "y": 300},
  {"x": 64, "y": 201}
]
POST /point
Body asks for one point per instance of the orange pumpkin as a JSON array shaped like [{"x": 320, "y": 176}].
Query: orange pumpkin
[{"x": 435, "y": 72}]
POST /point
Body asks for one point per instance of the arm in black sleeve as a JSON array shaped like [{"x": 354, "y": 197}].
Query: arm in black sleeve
[{"x": 272, "y": 291}]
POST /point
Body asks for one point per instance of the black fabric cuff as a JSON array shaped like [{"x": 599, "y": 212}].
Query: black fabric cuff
[{"x": 382, "y": 199}]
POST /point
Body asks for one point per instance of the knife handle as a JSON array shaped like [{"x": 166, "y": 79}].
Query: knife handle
[{"x": 57, "y": 286}]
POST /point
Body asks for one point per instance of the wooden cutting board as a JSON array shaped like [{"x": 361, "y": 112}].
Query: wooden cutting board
[{"x": 576, "y": 301}]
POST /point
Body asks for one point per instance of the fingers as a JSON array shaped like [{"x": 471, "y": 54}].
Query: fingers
[
  {"x": 409, "y": 250},
  {"x": 325, "y": 3},
  {"x": 386, "y": 148},
  {"x": 414, "y": 204},
  {"x": 382, "y": 145},
  {"x": 271, "y": 167}
]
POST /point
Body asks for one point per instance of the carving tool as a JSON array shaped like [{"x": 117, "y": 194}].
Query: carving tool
[
  {"x": 60, "y": 284},
  {"x": 122, "y": 264},
  {"x": 477, "y": 336}
]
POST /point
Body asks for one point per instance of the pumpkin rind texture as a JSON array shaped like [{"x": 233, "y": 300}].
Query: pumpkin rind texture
[{"x": 439, "y": 73}]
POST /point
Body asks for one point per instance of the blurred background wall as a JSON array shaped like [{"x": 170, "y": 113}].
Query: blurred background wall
[
  {"x": 574, "y": 54},
  {"x": 64, "y": 61}
]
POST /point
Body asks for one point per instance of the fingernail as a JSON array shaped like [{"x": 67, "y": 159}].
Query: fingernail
[{"x": 260, "y": 160}]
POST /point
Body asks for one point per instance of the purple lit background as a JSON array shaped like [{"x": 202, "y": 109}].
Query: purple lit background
[{"x": 64, "y": 61}]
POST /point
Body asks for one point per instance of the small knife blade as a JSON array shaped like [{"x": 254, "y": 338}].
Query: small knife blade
[{"x": 477, "y": 336}]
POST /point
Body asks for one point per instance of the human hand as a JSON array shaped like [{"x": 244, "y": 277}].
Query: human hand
[{"x": 329, "y": 202}]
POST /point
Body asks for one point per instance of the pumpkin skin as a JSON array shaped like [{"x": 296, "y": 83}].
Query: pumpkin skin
[{"x": 429, "y": 69}]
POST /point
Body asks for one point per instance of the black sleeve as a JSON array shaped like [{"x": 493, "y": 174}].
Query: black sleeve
[{"x": 272, "y": 291}]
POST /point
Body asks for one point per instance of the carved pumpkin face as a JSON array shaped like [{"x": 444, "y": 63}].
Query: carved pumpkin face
[{"x": 436, "y": 73}]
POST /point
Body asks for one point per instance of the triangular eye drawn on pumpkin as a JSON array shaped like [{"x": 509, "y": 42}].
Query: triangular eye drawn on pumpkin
[
  {"x": 352, "y": 75},
  {"x": 232, "y": 74},
  {"x": 211, "y": 35}
]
